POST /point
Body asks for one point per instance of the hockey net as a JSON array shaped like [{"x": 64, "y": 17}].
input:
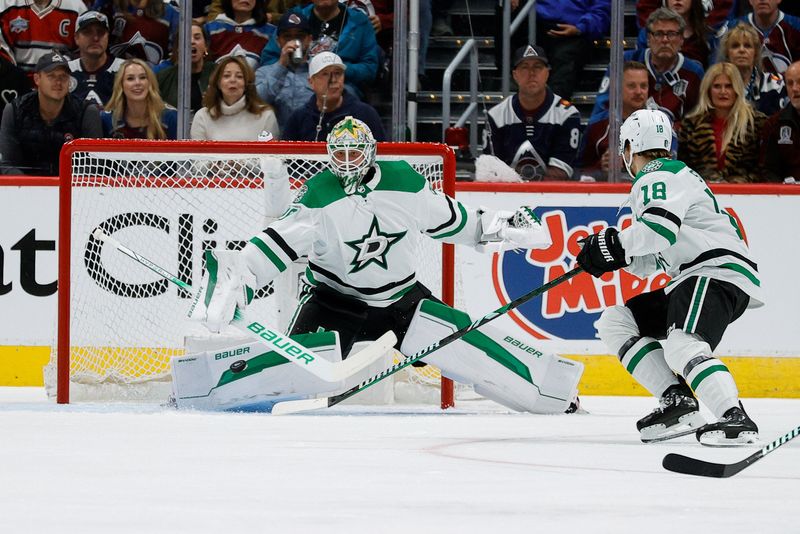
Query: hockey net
[{"x": 119, "y": 324}]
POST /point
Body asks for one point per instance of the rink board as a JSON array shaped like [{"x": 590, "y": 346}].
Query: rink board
[{"x": 760, "y": 348}]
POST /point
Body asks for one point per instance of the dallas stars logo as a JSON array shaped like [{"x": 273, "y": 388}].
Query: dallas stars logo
[{"x": 373, "y": 247}]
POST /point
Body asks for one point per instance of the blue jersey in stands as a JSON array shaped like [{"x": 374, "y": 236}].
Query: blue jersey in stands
[
  {"x": 766, "y": 91},
  {"x": 675, "y": 91},
  {"x": 781, "y": 40},
  {"x": 528, "y": 142},
  {"x": 95, "y": 86}
]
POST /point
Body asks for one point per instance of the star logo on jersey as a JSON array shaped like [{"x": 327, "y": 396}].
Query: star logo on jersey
[{"x": 373, "y": 247}]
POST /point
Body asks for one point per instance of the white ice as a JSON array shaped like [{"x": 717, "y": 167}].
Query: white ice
[{"x": 405, "y": 469}]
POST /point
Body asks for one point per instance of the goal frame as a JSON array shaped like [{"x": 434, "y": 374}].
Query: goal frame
[{"x": 295, "y": 148}]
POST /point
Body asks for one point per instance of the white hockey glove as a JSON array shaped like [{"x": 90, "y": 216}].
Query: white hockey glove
[
  {"x": 520, "y": 229},
  {"x": 276, "y": 188},
  {"x": 226, "y": 285}
]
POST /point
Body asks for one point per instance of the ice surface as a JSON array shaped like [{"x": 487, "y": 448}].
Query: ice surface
[{"x": 143, "y": 469}]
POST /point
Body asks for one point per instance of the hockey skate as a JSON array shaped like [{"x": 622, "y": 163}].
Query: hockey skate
[
  {"x": 734, "y": 428},
  {"x": 678, "y": 414}
]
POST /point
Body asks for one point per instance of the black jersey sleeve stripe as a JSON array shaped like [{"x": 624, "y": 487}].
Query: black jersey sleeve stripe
[
  {"x": 362, "y": 290},
  {"x": 717, "y": 253},
  {"x": 449, "y": 222},
  {"x": 275, "y": 236},
  {"x": 661, "y": 212}
]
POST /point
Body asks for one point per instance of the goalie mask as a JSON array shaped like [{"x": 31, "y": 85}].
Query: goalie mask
[
  {"x": 645, "y": 129},
  {"x": 351, "y": 148}
]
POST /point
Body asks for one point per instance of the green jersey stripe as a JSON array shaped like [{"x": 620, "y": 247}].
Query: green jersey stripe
[
  {"x": 268, "y": 252},
  {"x": 458, "y": 228},
  {"x": 742, "y": 270},
  {"x": 641, "y": 353},
  {"x": 662, "y": 231},
  {"x": 697, "y": 304},
  {"x": 707, "y": 371}
]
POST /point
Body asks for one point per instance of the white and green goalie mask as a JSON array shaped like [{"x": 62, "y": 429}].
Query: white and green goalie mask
[{"x": 351, "y": 148}]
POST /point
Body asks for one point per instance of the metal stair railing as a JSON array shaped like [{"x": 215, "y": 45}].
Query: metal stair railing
[
  {"x": 508, "y": 29},
  {"x": 470, "y": 47}
]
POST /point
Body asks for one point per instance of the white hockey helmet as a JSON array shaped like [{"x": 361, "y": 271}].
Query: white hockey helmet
[
  {"x": 645, "y": 129},
  {"x": 351, "y": 148}
]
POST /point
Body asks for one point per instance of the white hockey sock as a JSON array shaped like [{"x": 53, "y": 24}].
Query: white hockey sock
[
  {"x": 714, "y": 385},
  {"x": 644, "y": 360}
]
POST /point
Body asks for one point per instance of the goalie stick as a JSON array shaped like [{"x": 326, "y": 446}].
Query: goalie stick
[
  {"x": 302, "y": 405},
  {"x": 692, "y": 466},
  {"x": 282, "y": 344}
]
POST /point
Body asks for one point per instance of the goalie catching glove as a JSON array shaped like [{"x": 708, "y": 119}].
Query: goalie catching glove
[
  {"x": 520, "y": 229},
  {"x": 226, "y": 285},
  {"x": 602, "y": 253}
]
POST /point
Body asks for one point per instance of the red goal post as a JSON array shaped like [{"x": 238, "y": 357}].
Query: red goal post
[{"x": 114, "y": 319}]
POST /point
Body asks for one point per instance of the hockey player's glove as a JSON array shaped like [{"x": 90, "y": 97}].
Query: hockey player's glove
[
  {"x": 602, "y": 253},
  {"x": 226, "y": 285},
  {"x": 520, "y": 229}
]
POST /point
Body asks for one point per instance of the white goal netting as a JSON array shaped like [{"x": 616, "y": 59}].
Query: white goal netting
[{"x": 120, "y": 323}]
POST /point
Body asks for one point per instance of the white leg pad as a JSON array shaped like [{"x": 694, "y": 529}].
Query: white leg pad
[
  {"x": 709, "y": 377},
  {"x": 502, "y": 368},
  {"x": 643, "y": 357},
  {"x": 233, "y": 373}
]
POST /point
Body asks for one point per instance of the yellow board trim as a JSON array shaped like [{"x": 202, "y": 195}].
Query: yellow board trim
[
  {"x": 756, "y": 376},
  {"x": 604, "y": 375}
]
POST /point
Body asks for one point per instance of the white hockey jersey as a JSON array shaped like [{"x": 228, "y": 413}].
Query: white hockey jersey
[
  {"x": 366, "y": 244},
  {"x": 679, "y": 227}
]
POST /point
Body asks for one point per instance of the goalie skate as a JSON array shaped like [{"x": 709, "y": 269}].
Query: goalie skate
[
  {"x": 677, "y": 415},
  {"x": 734, "y": 428}
]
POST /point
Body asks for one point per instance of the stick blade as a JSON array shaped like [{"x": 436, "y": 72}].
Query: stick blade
[
  {"x": 298, "y": 406},
  {"x": 686, "y": 465}
]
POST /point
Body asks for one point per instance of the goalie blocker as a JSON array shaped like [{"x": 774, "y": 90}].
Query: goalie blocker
[{"x": 227, "y": 375}]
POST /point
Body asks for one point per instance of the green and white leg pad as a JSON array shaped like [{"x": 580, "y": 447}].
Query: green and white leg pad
[
  {"x": 501, "y": 367},
  {"x": 226, "y": 372}
]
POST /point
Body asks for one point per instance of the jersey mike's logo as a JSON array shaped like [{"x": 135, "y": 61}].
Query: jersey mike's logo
[{"x": 569, "y": 310}]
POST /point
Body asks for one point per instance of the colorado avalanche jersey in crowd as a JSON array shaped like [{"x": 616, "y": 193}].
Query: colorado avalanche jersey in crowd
[
  {"x": 674, "y": 92},
  {"x": 226, "y": 34},
  {"x": 366, "y": 244},
  {"x": 531, "y": 142},
  {"x": 781, "y": 41},
  {"x": 679, "y": 227},
  {"x": 147, "y": 38},
  {"x": 780, "y": 147},
  {"x": 766, "y": 91},
  {"x": 95, "y": 86},
  {"x": 29, "y": 32}
]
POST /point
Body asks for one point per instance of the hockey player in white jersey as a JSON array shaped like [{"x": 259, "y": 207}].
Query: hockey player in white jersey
[
  {"x": 358, "y": 223},
  {"x": 665, "y": 338}
]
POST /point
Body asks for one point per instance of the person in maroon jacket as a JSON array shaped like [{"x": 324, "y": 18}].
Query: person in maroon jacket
[
  {"x": 717, "y": 11},
  {"x": 780, "y": 136}
]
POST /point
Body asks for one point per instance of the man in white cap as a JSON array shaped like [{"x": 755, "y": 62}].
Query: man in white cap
[{"x": 329, "y": 104}]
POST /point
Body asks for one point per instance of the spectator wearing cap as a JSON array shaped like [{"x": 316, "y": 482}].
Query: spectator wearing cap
[
  {"x": 674, "y": 79},
  {"x": 30, "y": 30},
  {"x": 534, "y": 131},
  {"x": 94, "y": 69},
  {"x": 780, "y": 137},
  {"x": 35, "y": 126},
  {"x": 564, "y": 29},
  {"x": 242, "y": 23},
  {"x": 329, "y": 104},
  {"x": 345, "y": 31},
  {"x": 169, "y": 82},
  {"x": 284, "y": 84}
]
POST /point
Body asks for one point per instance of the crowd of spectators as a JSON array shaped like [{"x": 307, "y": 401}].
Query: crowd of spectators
[
  {"x": 722, "y": 76},
  {"x": 725, "y": 71}
]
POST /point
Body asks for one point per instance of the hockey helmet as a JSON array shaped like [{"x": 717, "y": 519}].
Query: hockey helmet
[
  {"x": 645, "y": 129},
  {"x": 352, "y": 149}
]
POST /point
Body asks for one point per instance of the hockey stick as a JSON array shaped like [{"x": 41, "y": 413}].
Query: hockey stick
[
  {"x": 283, "y": 345},
  {"x": 302, "y": 405},
  {"x": 692, "y": 466}
]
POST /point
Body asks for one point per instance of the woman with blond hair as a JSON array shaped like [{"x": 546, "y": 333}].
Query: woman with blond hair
[
  {"x": 135, "y": 110},
  {"x": 231, "y": 108},
  {"x": 719, "y": 138},
  {"x": 741, "y": 46}
]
